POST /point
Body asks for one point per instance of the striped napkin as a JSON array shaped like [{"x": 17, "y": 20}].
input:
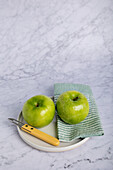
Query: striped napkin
[{"x": 91, "y": 126}]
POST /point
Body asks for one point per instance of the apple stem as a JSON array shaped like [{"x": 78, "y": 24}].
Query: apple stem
[
  {"x": 37, "y": 105},
  {"x": 75, "y": 99}
]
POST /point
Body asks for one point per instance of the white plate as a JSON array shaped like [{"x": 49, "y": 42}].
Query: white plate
[{"x": 51, "y": 130}]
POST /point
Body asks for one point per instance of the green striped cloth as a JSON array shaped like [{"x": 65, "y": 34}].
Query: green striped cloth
[{"x": 91, "y": 126}]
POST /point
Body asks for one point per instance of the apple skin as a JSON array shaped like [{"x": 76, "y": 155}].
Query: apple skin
[
  {"x": 72, "y": 107},
  {"x": 38, "y": 111}
]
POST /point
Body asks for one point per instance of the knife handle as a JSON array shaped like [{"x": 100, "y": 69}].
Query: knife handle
[{"x": 41, "y": 135}]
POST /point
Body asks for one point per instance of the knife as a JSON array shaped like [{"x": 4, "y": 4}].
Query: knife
[{"x": 35, "y": 132}]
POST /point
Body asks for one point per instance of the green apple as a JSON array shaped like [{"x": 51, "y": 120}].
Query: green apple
[
  {"x": 72, "y": 107},
  {"x": 38, "y": 111}
]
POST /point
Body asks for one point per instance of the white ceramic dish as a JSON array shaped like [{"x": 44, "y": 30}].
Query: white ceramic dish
[{"x": 51, "y": 129}]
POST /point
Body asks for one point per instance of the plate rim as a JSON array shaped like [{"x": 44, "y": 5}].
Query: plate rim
[{"x": 51, "y": 149}]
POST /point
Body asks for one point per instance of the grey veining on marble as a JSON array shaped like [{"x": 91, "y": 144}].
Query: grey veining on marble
[{"x": 43, "y": 42}]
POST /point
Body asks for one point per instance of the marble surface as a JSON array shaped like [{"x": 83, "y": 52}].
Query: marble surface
[{"x": 45, "y": 42}]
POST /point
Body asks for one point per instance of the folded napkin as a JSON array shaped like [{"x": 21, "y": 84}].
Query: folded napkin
[{"x": 91, "y": 126}]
